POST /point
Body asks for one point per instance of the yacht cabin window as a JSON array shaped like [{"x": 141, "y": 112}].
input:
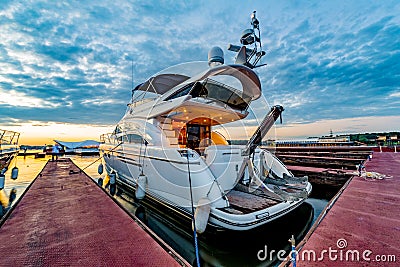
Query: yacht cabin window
[{"x": 214, "y": 90}]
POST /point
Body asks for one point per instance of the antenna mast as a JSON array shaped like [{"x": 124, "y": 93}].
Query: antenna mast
[{"x": 246, "y": 56}]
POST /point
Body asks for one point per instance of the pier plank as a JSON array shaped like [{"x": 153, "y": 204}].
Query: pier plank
[{"x": 67, "y": 220}]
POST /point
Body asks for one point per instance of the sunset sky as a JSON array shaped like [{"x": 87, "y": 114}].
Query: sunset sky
[{"x": 66, "y": 66}]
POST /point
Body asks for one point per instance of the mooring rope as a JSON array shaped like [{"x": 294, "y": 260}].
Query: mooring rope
[
  {"x": 375, "y": 175},
  {"x": 100, "y": 157},
  {"x": 196, "y": 247}
]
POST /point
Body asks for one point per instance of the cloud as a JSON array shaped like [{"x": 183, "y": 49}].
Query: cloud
[
  {"x": 339, "y": 126},
  {"x": 16, "y": 99},
  {"x": 101, "y": 102},
  {"x": 395, "y": 94}
]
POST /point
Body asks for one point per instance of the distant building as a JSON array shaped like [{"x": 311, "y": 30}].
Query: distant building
[
  {"x": 393, "y": 139},
  {"x": 381, "y": 140},
  {"x": 315, "y": 141}
]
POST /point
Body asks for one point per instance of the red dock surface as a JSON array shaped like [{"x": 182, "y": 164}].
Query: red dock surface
[
  {"x": 362, "y": 228},
  {"x": 67, "y": 220}
]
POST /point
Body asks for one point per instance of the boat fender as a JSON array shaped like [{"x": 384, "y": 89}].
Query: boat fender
[
  {"x": 106, "y": 180},
  {"x": 141, "y": 186},
  {"x": 113, "y": 189},
  {"x": 112, "y": 177},
  {"x": 100, "y": 169},
  {"x": 100, "y": 182},
  {"x": 201, "y": 214},
  {"x": 2, "y": 179},
  {"x": 12, "y": 197},
  {"x": 14, "y": 173},
  {"x": 140, "y": 212}
]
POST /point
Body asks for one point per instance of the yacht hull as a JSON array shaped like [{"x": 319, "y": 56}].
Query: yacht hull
[{"x": 239, "y": 211}]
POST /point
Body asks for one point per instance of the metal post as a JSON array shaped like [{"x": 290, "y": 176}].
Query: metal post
[{"x": 294, "y": 252}]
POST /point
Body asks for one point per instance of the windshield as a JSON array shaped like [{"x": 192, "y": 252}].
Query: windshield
[
  {"x": 232, "y": 97},
  {"x": 142, "y": 96}
]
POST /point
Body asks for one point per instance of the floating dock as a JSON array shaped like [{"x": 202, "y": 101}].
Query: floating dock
[
  {"x": 324, "y": 176},
  {"x": 65, "y": 219},
  {"x": 361, "y": 225},
  {"x": 327, "y": 166}
]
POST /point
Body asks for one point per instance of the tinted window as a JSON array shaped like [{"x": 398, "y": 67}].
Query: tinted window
[
  {"x": 134, "y": 138},
  {"x": 184, "y": 91},
  {"x": 230, "y": 96}
]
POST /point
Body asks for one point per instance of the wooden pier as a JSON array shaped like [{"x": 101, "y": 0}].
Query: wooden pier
[
  {"x": 324, "y": 176},
  {"x": 361, "y": 225},
  {"x": 65, "y": 219},
  {"x": 328, "y": 166}
]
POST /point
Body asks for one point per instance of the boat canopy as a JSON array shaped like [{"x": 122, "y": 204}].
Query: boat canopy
[
  {"x": 162, "y": 83},
  {"x": 8, "y": 137},
  {"x": 249, "y": 82},
  {"x": 246, "y": 80}
]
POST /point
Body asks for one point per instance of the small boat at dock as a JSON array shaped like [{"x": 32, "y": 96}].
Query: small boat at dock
[
  {"x": 167, "y": 148},
  {"x": 8, "y": 148},
  {"x": 82, "y": 148}
]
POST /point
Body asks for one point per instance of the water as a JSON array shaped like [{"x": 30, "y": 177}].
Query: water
[
  {"x": 222, "y": 249},
  {"x": 28, "y": 167}
]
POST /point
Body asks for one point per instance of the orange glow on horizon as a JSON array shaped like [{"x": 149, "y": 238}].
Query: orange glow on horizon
[{"x": 39, "y": 133}]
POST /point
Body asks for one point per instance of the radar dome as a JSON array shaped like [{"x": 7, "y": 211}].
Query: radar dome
[{"x": 215, "y": 56}]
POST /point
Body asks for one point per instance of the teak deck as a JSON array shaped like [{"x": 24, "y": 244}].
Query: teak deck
[
  {"x": 65, "y": 219},
  {"x": 243, "y": 202}
]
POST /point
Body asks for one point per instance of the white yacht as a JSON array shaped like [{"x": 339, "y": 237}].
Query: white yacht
[
  {"x": 166, "y": 147},
  {"x": 8, "y": 149}
]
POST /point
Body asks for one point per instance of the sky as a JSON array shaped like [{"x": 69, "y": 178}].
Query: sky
[{"x": 66, "y": 66}]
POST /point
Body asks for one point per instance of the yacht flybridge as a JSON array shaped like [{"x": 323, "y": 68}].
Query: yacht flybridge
[{"x": 166, "y": 147}]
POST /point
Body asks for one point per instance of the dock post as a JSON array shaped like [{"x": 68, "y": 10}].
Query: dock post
[{"x": 293, "y": 254}]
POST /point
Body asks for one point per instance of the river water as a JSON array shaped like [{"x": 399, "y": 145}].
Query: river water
[{"x": 251, "y": 248}]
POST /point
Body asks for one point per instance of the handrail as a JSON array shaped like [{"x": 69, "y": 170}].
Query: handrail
[
  {"x": 107, "y": 137},
  {"x": 262, "y": 130},
  {"x": 8, "y": 137}
]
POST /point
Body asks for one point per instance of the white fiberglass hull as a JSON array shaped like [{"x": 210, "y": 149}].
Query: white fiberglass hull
[{"x": 168, "y": 183}]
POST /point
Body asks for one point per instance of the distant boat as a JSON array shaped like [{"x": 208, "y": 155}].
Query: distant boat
[
  {"x": 83, "y": 148},
  {"x": 48, "y": 150},
  {"x": 87, "y": 151},
  {"x": 8, "y": 148},
  {"x": 167, "y": 150},
  {"x": 40, "y": 155},
  {"x": 324, "y": 141}
]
